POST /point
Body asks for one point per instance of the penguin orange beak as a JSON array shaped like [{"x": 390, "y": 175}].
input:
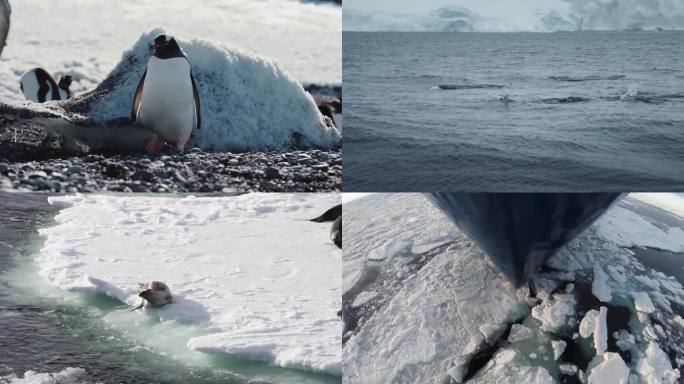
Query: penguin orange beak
[{"x": 155, "y": 46}]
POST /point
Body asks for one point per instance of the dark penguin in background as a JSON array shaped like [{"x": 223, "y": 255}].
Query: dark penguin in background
[
  {"x": 38, "y": 86},
  {"x": 64, "y": 84},
  {"x": 333, "y": 214},
  {"x": 166, "y": 100},
  {"x": 5, "y": 11}
]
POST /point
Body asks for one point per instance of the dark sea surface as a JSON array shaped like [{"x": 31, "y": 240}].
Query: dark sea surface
[
  {"x": 590, "y": 111},
  {"x": 45, "y": 331}
]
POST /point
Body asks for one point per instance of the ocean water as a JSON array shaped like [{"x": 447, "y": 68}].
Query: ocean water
[{"x": 590, "y": 111}]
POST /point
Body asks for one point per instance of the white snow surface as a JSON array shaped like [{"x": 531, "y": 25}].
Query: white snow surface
[
  {"x": 263, "y": 279},
  {"x": 627, "y": 228},
  {"x": 85, "y": 38},
  {"x": 655, "y": 367},
  {"x": 66, "y": 376},
  {"x": 247, "y": 102},
  {"x": 611, "y": 370}
]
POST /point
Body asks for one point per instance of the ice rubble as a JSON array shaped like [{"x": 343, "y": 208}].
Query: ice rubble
[
  {"x": 247, "y": 102},
  {"x": 263, "y": 279},
  {"x": 66, "y": 376},
  {"x": 471, "y": 303}
]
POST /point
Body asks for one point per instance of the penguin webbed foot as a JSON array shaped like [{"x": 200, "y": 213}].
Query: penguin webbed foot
[{"x": 154, "y": 145}]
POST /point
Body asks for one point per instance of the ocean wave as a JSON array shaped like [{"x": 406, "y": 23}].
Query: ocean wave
[
  {"x": 586, "y": 78},
  {"x": 456, "y": 87},
  {"x": 565, "y": 100}
]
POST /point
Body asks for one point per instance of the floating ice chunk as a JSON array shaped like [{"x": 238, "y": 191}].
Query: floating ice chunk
[
  {"x": 623, "y": 339},
  {"x": 558, "y": 348},
  {"x": 67, "y": 376},
  {"x": 568, "y": 369},
  {"x": 611, "y": 370},
  {"x": 629, "y": 229},
  {"x": 601, "y": 332},
  {"x": 508, "y": 367},
  {"x": 554, "y": 312},
  {"x": 654, "y": 367},
  {"x": 599, "y": 287},
  {"x": 363, "y": 298},
  {"x": 520, "y": 332},
  {"x": 642, "y": 302},
  {"x": 594, "y": 323}
]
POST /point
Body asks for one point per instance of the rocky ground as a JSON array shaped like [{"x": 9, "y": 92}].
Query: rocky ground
[{"x": 32, "y": 160}]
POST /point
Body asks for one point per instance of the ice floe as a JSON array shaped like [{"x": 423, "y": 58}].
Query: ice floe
[{"x": 261, "y": 278}]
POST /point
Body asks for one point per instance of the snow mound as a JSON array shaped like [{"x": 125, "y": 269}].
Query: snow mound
[
  {"x": 262, "y": 280},
  {"x": 247, "y": 102},
  {"x": 67, "y": 376}
]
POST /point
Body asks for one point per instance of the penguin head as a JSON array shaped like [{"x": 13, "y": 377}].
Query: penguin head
[{"x": 165, "y": 47}]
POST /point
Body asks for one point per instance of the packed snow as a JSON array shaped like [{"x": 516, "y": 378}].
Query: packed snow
[
  {"x": 85, "y": 38},
  {"x": 436, "y": 313},
  {"x": 252, "y": 270},
  {"x": 247, "y": 102}
]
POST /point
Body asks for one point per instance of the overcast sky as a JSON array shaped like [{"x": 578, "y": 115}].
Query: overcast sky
[
  {"x": 516, "y": 15},
  {"x": 516, "y": 12}
]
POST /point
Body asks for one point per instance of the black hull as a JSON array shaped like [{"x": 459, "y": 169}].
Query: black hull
[{"x": 520, "y": 231}]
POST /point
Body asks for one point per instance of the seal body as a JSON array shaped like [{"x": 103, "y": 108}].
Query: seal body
[
  {"x": 38, "y": 86},
  {"x": 154, "y": 294},
  {"x": 166, "y": 100}
]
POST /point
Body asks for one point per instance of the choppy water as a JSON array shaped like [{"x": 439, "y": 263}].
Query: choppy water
[
  {"x": 47, "y": 330},
  {"x": 591, "y": 111}
]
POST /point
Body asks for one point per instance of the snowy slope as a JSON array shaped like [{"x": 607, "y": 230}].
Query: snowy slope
[
  {"x": 252, "y": 270},
  {"x": 85, "y": 38},
  {"x": 599, "y": 314}
]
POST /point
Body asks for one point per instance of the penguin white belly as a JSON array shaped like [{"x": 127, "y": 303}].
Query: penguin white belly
[
  {"x": 167, "y": 105},
  {"x": 30, "y": 86}
]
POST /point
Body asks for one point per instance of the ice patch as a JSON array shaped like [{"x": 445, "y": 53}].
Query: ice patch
[
  {"x": 594, "y": 323},
  {"x": 642, "y": 302},
  {"x": 558, "y": 348},
  {"x": 611, "y": 370},
  {"x": 628, "y": 229},
  {"x": 363, "y": 298},
  {"x": 265, "y": 283},
  {"x": 554, "y": 312},
  {"x": 654, "y": 367},
  {"x": 66, "y": 376},
  {"x": 599, "y": 287}
]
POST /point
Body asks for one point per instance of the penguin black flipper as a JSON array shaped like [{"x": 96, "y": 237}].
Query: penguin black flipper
[
  {"x": 329, "y": 215},
  {"x": 195, "y": 94},
  {"x": 138, "y": 97}
]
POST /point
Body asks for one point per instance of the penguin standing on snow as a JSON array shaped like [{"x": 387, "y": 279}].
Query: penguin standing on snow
[
  {"x": 38, "y": 86},
  {"x": 166, "y": 100}
]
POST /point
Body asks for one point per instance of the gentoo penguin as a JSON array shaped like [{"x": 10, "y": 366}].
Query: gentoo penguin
[
  {"x": 64, "y": 84},
  {"x": 166, "y": 100},
  {"x": 336, "y": 232},
  {"x": 155, "y": 294},
  {"x": 5, "y": 11},
  {"x": 38, "y": 86}
]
